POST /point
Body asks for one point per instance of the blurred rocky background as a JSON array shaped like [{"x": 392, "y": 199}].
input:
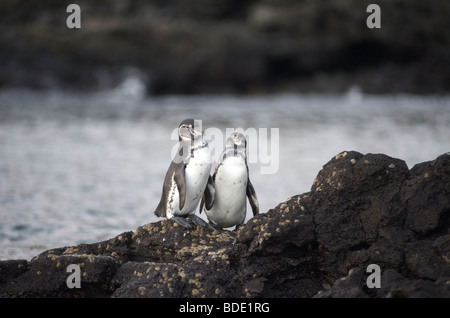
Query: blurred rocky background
[{"x": 227, "y": 46}]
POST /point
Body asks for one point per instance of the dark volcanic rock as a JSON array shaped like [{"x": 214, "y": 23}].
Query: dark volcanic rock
[
  {"x": 219, "y": 46},
  {"x": 361, "y": 210}
]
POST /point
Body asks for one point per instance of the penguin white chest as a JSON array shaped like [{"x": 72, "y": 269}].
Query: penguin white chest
[
  {"x": 230, "y": 205},
  {"x": 196, "y": 177}
]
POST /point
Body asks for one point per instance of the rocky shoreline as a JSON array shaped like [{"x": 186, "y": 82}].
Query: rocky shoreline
[{"x": 361, "y": 210}]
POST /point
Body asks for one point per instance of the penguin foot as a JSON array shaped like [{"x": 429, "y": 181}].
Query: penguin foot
[
  {"x": 182, "y": 221},
  {"x": 214, "y": 225},
  {"x": 197, "y": 220}
]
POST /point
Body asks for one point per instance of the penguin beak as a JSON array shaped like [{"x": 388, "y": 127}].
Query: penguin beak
[
  {"x": 194, "y": 133},
  {"x": 236, "y": 140}
]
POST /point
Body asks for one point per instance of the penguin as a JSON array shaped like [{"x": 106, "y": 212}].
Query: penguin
[
  {"x": 225, "y": 201},
  {"x": 187, "y": 177}
]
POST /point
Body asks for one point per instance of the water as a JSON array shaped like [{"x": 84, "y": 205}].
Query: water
[{"x": 80, "y": 168}]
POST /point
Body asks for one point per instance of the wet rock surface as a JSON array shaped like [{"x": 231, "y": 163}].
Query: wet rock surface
[{"x": 361, "y": 210}]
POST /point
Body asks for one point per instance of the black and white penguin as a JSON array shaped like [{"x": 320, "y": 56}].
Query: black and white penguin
[
  {"x": 187, "y": 177},
  {"x": 226, "y": 205}
]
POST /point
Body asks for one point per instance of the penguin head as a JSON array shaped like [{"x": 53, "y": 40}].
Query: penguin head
[
  {"x": 236, "y": 147},
  {"x": 190, "y": 130},
  {"x": 237, "y": 140}
]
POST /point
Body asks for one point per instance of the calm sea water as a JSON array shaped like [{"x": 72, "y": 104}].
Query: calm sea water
[{"x": 79, "y": 168}]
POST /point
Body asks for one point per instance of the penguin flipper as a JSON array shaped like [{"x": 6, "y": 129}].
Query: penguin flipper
[
  {"x": 162, "y": 206},
  {"x": 161, "y": 209},
  {"x": 251, "y": 194},
  {"x": 202, "y": 203},
  {"x": 208, "y": 195},
  {"x": 180, "y": 181}
]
